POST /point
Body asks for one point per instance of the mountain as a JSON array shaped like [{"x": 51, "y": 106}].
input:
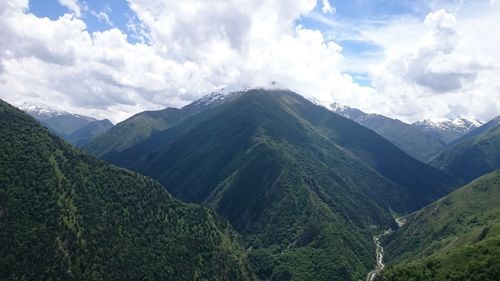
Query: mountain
[
  {"x": 74, "y": 128},
  {"x": 88, "y": 132},
  {"x": 305, "y": 187},
  {"x": 474, "y": 155},
  {"x": 479, "y": 130},
  {"x": 67, "y": 216},
  {"x": 456, "y": 238},
  {"x": 447, "y": 130},
  {"x": 419, "y": 144},
  {"x": 142, "y": 125}
]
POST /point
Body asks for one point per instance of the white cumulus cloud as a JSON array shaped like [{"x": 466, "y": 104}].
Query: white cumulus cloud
[
  {"x": 72, "y": 5},
  {"x": 447, "y": 72},
  {"x": 189, "y": 48},
  {"x": 437, "y": 66}
]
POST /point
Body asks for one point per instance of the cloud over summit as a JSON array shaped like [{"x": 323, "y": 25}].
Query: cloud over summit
[{"x": 173, "y": 52}]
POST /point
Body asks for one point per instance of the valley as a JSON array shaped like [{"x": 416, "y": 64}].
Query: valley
[
  {"x": 249, "y": 140},
  {"x": 300, "y": 185}
]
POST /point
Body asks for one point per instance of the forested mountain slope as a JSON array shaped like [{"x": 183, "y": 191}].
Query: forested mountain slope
[
  {"x": 304, "y": 186},
  {"x": 474, "y": 155},
  {"x": 133, "y": 130},
  {"x": 456, "y": 238},
  {"x": 67, "y": 216}
]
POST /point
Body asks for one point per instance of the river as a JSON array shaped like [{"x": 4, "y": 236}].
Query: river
[
  {"x": 379, "y": 250},
  {"x": 380, "y": 256}
]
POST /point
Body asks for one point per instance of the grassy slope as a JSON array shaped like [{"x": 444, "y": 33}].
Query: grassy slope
[
  {"x": 133, "y": 130},
  {"x": 67, "y": 216},
  {"x": 455, "y": 238},
  {"x": 472, "y": 157}
]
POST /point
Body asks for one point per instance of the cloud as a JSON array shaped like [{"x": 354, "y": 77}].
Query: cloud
[
  {"x": 448, "y": 71},
  {"x": 72, "y": 5},
  {"x": 431, "y": 67},
  {"x": 327, "y": 7},
  {"x": 102, "y": 16},
  {"x": 188, "y": 49}
]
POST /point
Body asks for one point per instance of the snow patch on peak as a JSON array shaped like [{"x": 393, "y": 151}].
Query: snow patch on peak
[
  {"x": 219, "y": 96},
  {"x": 457, "y": 124},
  {"x": 337, "y": 107},
  {"x": 41, "y": 111}
]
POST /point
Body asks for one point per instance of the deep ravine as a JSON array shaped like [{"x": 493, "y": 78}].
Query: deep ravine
[
  {"x": 380, "y": 250},
  {"x": 380, "y": 256}
]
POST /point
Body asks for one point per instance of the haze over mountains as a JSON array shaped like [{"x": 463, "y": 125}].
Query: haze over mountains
[
  {"x": 421, "y": 140},
  {"x": 473, "y": 155},
  {"x": 74, "y": 128}
]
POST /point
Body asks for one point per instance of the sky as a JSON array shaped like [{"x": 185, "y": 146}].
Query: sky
[{"x": 406, "y": 59}]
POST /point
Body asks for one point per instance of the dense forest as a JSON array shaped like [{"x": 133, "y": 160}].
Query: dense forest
[
  {"x": 302, "y": 185},
  {"x": 67, "y": 216}
]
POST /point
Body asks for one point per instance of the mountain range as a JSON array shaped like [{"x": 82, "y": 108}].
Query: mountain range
[
  {"x": 421, "y": 140},
  {"x": 289, "y": 190},
  {"x": 301, "y": 184},
  {"x": 473, "y": 155},
  {"x": 67, "y": 216},
  {"x": 74, "y": 128}
]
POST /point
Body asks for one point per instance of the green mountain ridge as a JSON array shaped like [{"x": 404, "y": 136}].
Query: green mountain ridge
[
  {"x": 89, "y": 132},
  {"x": 474, "y": 155},
  {"x": 67, "y": 216},
  {"x": 411, "y": 139},
  {"x": 302, "y": 185},
  {"x": 456, "y": 238},
  {"x": 133, "y": 130},
  {"x": 141, "y": 126}
]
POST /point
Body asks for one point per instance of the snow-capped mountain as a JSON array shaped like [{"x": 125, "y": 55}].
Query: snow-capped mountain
[
  {"x": 219, "y": 96},
  {"x": 448, "y": 129},
  {"x": 74, "y": 128},
  {"x": 42, "y": 112},
  {"x": 411, "y": 140},
  {"x": 447, "y": 124},
  {"x": 349, "y": 112}
]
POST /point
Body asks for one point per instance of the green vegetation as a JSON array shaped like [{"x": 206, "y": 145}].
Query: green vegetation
[
  {"x": 67, "y": 216},
  {"x": 456, "y": 238},
  {"x": 409, "y": 138},
  {"x": 416, "y": 143},
  {"x": 474, "y": 155},
  {"x": 65, "y": 124},
  {"x": 302, "y": 185},
  {"x": 134, "y": 130},
  {"x": 88, "y": 132}
]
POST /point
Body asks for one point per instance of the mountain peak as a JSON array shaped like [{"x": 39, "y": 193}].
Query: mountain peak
[
  {"x": 458, "y": 124},
  {"x": 41, "y": 111},
  {"x": 337, "y": 107},
  {"x": 348, "y": 112},
  {"x": 219, "y": 96}
]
